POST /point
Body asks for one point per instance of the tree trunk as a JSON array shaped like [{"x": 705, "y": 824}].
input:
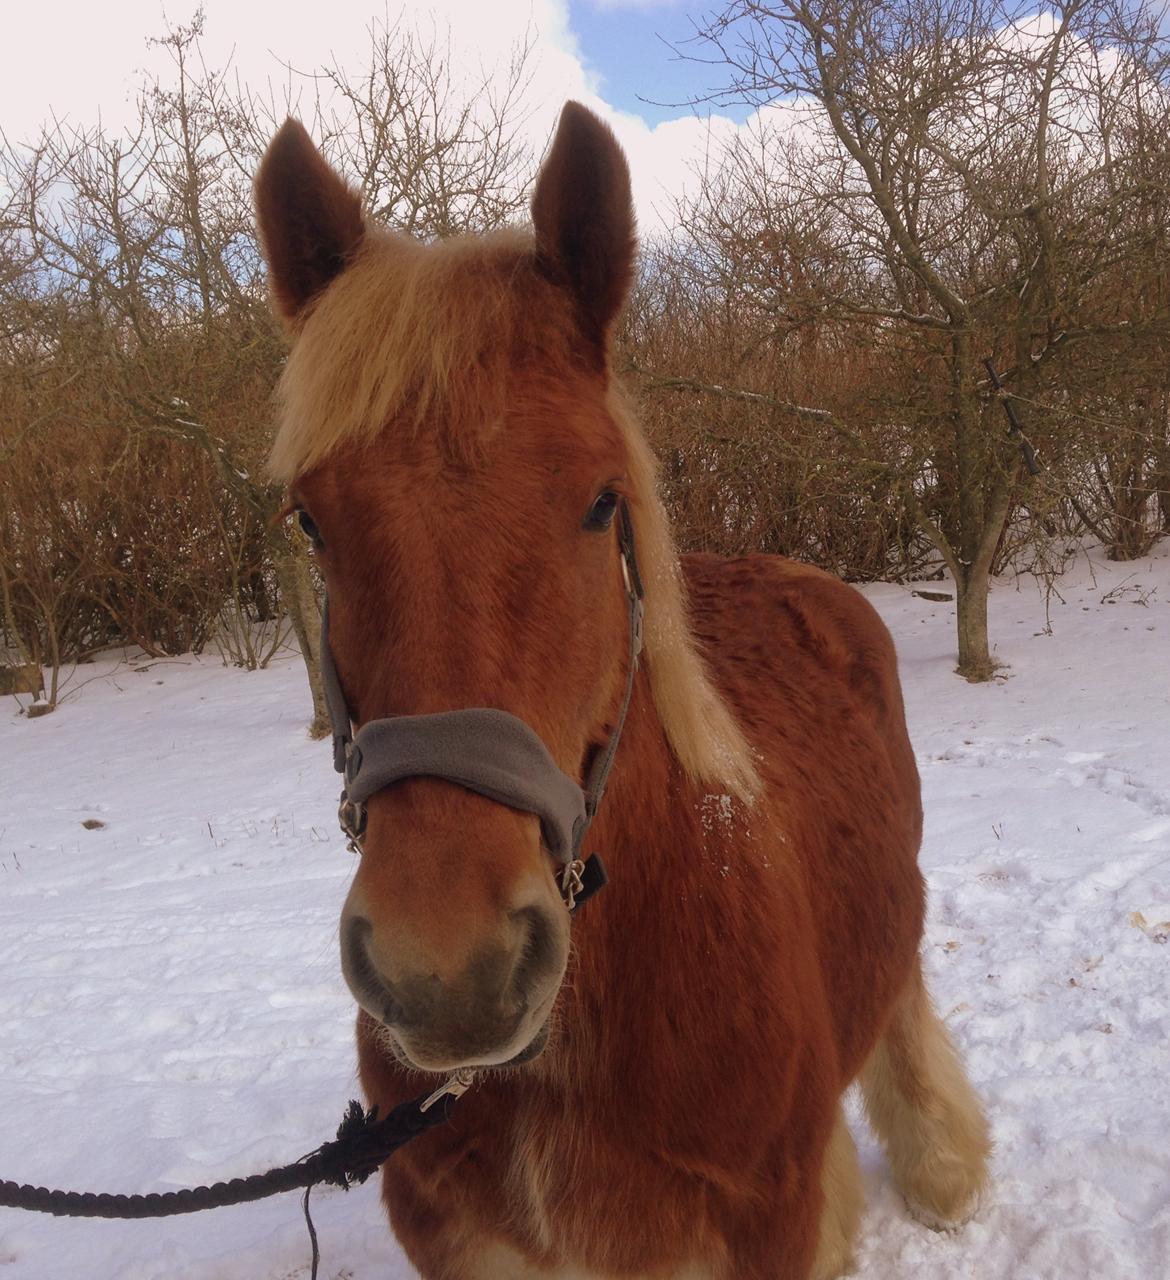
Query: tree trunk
[
  {"x": 971, "y": 592},
  {"x": 981, "y": 516},
  {"x": 973, "y": 580},
  {"x": 300, "y": 602}
]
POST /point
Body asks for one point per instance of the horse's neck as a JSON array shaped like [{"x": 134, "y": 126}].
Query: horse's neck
[
  {"x": 649, "y": 796},
  {"x": 670, "y": 845}
]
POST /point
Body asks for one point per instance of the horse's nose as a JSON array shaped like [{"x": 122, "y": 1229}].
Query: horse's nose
[{"x": 475, "y": 1014}]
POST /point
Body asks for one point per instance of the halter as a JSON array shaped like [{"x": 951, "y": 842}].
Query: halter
[{"x": 485, "y": 750}]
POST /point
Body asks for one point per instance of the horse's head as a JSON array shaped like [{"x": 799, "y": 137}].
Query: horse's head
[{"x": 449, "y": 440}]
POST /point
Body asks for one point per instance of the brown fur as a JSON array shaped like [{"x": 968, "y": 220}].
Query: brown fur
[{"x": 449, "y": 419}]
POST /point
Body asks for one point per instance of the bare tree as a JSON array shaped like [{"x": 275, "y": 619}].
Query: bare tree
[
  {"x": 433, "y": 153},
  {"x": 958, "y": 184}
]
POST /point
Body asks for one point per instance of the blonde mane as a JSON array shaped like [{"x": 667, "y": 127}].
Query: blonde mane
[
  {"x": 703, "y": 733},
  {"x": 405, "y": 328},
  {"x": 409, "y": 328}
]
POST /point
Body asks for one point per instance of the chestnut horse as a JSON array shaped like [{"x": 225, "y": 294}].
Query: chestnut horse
[{"x": 660, "y": 1087}]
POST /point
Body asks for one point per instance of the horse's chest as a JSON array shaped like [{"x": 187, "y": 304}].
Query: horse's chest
[
  {"x": 602, "y": 1207},
  {"x": 545, "y": 1204}
]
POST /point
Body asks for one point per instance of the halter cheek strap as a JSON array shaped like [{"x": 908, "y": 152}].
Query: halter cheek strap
[{"x": 485, "y": 750}]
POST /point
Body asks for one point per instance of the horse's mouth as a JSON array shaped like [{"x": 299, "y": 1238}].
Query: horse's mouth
[{"x": 535, "y": 1047}]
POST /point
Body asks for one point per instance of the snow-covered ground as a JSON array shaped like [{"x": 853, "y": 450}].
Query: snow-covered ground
[{"x": 171, "y": 1010}]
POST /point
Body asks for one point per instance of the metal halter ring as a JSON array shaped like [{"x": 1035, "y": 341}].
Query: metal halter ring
[
  {"x": 351, "y": 815},
  {"x": 572, "y": 882}
]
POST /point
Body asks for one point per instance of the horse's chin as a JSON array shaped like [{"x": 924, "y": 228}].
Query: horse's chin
[{"x": 535, "y": 1047}]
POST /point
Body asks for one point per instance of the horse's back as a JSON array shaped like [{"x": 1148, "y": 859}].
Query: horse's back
[
  {"x": 795, "y": 637},
  {"x": 810, "y": 670}
]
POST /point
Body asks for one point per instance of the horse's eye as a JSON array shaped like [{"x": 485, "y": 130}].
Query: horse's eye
[
  {"x": 309, "y": 528},
  {"x": 602, "y": 512}
]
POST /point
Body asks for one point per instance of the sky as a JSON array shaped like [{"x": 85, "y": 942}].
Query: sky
[{"x": 72, "y": 59}]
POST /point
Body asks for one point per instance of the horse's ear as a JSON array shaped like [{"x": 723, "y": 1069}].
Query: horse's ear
[
  {"x": 584, "y": 218},
  {"x": 310, "y": 221}
]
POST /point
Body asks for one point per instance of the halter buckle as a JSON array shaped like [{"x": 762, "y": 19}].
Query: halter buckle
[{"x": 455, "y": 1086}]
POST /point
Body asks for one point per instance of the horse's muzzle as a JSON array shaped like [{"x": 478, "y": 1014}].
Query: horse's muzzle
[{"x": 491, "y": 1013}]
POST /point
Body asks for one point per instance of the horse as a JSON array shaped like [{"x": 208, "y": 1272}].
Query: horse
[{"x": 659, "y": 1086}]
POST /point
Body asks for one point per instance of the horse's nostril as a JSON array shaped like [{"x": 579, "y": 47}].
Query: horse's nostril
[
  {"x": 372, "y": 990},
  {"x": 537, "y": 952},
  {"x": 479, "y": 1010},
  {"x": 354, "y": 936}
]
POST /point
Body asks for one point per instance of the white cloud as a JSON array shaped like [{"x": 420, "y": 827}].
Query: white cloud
[
  {"x": 663, "y": 159},
  {"x": 79, "y": 62}
]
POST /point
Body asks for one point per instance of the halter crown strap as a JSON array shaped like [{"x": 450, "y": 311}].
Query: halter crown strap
[{"x": 599, "y": 773}]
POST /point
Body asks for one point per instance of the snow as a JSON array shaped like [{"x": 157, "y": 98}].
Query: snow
[{"x": 172, "y": 1010}]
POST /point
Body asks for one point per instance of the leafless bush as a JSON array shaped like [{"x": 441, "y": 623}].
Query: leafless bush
[{"x": 138, "y": 355}]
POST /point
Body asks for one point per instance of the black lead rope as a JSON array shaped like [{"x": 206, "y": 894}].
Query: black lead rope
[{"x": 362, "y": 1144}]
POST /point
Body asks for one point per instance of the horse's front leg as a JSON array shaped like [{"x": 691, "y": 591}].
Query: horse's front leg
[
  {"x": 494, "y": 1261},
  {"x": 446, "y": 1240},
  {"x": 806, "y": 1228}
]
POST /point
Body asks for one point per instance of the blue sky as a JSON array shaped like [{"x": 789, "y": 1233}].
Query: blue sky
[{"x": 629, "y": 46}]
